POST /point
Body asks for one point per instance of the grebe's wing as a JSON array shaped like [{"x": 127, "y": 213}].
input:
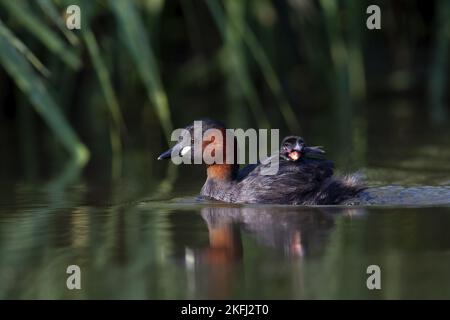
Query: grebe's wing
[{"x": 244, "y": 172}]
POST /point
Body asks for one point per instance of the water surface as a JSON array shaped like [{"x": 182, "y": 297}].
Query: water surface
[{"x": 144, "y": 235}]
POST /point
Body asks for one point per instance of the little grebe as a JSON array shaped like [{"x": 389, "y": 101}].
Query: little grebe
[{"x": 304, "y": 176}]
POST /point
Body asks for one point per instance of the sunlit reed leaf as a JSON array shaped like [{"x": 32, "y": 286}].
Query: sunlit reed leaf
[
  {"x": 33, "y": 87},
  {"x": 263, "y": 61},
  {"x": 137, "y": 42},
  {"x": 338, "y": 50},
  {"x": 23, "y": 49},
  {"x": 104, "y": 78},
  {"x": 51, "y": 11},
  {"x": 110, "y": 96},
  {"x": 24, "y": 16},
  {"x": 235, "y": 64},
  {"x": 272, "y": 80}
]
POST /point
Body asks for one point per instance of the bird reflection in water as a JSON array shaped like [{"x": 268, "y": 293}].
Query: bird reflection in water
[{"x": 295, "y": 233}]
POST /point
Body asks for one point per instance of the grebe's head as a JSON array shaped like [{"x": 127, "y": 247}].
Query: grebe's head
[
  {"x": 292, "y": 148},
  {"x": 207, "y": 137}
]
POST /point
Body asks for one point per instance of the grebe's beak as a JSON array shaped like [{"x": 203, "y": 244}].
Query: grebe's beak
[
  {"x": 299, "y": 146},
  {"x": 166, "y": 154},
  {"x": 179, "y": 150}
]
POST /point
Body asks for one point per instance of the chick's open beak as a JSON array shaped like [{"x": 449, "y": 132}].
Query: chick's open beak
[
  {"x": 294, "y": 155},
  {"x": 296, "y": 152}
]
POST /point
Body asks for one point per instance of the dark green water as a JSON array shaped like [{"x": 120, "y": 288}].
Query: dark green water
[{"x": 144, "y": 236}]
